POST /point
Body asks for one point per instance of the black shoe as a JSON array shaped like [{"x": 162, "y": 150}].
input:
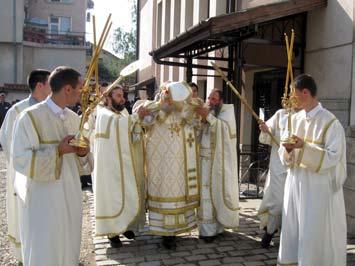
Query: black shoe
[
  {"x": 207, "y": 239},
  {"x": 265, "y": 241},
  {"x": 115, "y": 241},
  {"x": 129, "y": 234},
  {"x": 169, "y": 242}
]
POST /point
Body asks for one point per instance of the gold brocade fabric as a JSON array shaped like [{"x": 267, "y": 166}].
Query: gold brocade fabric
[{"x": 166, "y": 160}]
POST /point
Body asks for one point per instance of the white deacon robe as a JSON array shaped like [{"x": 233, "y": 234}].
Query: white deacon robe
[
  {"x": 48, "y": 186},
  {"x": 172, "y": 173},
  {"x": 6, "y": 135},
  {"x": 219, "y": 204},
  {"x": 270, "y": 210},
  {"x": 313, "y": 218},
  {"x": 118, "y": 173}
]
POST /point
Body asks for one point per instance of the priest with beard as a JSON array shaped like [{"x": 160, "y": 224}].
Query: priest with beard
[
  {"x": 118, "y": 170},
  {"x": 172, "y": 162},
  {"x": 219, "y": 203}
]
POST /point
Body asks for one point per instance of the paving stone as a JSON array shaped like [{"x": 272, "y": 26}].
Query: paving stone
[
  {"x": 232, "y": 260},
  {"x": 173, "y": 261},
  {"x": 133, "y": 260},
  {"x": 181, "y": 254},
  {"x": 121, "y": 256},
  {"x": 217, "y": 255},
  {"x": 254, "y": 263},
  {"x": 150, "y": 263},
  {"x": 255, "y": 258},
  {"x": 196, "y": 258},
  {"x": 107, "y": 262},
  {"x": 209, "y": 262},
  {"x": 157, "y": 257},
  {"x": 100, "y": 257},
  {"x": 226, "y": 248},
  {"x": 202, "y": 251}
]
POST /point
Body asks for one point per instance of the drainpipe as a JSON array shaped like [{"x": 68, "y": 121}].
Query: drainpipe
[{"x": 14, "y": 39}]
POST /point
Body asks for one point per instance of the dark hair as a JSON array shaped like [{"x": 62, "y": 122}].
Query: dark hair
[
  {"x": 104, "y": 84},
  {"x": 305, "y": 81},
  {"x": 193, "y": 84},
  {"x": 117, "y": 87},
  {"x": 37, "y": 76},
  {"x": 62, "y": 76},
  {"x": 220, "y": 93}
]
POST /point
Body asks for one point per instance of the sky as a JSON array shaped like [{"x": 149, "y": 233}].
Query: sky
[{"x": 121, "y": 17}]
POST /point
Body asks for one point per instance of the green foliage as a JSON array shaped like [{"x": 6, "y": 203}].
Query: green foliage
[{"x": 125, "y": 42}]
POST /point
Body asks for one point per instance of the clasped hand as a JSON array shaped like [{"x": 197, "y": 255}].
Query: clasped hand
[
  {"x": 64, "y": 147},
  {"x": 299, "y": 143}
]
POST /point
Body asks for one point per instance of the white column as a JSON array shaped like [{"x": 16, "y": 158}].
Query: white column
[
  {"x": 174, "y": 31},
  {"x": 217, "y": 8},
  {"x": 186, "y": 20}
]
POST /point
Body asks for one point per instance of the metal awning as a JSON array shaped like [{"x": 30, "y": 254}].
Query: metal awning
[{"x": 221, "y": 31}]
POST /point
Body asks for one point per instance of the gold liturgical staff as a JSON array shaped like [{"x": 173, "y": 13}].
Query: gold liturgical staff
[{"x": 289, "y": 99}]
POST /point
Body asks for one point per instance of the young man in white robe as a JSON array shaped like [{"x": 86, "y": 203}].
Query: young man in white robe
[
  {"x": 47, "y": 178},
  {"x": 313, "y": 217},
  {"x": 171, "y": 163},
  {"x": 37, "y": 82},
  {"x": 270, "y": 210},
  {"x": 118, "y": 172},
  {"x": 219, "y": 203}
]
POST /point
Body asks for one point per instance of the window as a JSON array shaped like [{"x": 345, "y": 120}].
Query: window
[{"x": 59, "y": 25}]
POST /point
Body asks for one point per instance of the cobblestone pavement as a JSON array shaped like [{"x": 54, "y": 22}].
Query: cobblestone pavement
[
  {"x": 241, "y": 248},
  {"x": 87, "y": 255}
]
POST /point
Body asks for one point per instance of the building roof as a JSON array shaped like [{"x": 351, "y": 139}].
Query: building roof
[
  {"x": 218, "y": 32},
  {"x": 8, "y": 87}
]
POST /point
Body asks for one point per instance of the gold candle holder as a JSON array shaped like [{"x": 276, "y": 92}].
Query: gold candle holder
[
  {"x": 289, "y": 99},
  {"x": 79, "y": 139}
]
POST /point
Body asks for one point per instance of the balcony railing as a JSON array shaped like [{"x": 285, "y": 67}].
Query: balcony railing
[{"x": 31, "y": 34}]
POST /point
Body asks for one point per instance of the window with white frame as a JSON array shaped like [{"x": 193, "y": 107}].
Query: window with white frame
[{"x": 59, "y": 25}]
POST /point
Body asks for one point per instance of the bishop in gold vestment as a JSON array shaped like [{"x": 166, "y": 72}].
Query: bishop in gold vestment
[{"x": 172, "y": 165}]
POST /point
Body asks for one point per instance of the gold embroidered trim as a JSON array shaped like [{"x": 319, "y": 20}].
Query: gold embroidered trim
[
  {"x": 171, "y": 199},
  {"x": 325, "y": 130},
  {"x": 105, "y": 135},
  {"x": 40, "y": 139},
  {"x": 14, "y": 241},
  {"x": 173, "y": 211},
  {"x": 231, "y": 136},
  {"x": 17, "y": 110},
  {"x": 160, "y": 233},
  {"x": 322, "y": 142},
  {"x": 321, "y": 161},
  {"x": 58, "y": 164},
  {"x": 122, "y": 174},
  {"x": 223, "y": 175},
  {"x": 301, "y": 155},
  {"x": 267, "y": 212},
  {"x": 33, "y": 162},
  {"x": 138, "y": 183}
]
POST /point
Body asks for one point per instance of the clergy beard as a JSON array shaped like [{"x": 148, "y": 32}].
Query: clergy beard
[
  {"x": 216, "y": 109},
  {"x": 116, "y": 106}
]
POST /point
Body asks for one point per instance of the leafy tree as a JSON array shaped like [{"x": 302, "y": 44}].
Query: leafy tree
[{"x": 125, "y": 42}]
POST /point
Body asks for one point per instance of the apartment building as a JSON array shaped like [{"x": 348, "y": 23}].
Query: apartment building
[
  {"x": 39, "y": 34},
  {"x": 179, "y": 39}
]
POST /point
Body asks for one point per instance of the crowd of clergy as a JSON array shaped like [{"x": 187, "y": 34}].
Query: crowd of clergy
[{"x": 171, "y": 165}]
